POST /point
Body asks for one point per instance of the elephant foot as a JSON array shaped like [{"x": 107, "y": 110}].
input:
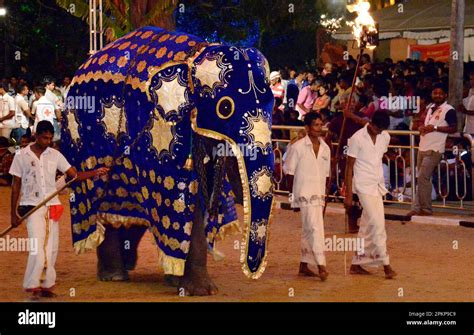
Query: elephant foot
[
  {"x": 113, "y": 276},
  {"x": 171, "y": 280},
  {"x": 196, "y": 282}
]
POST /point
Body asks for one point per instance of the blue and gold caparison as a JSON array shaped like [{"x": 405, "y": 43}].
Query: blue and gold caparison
[{"x": 135, "y": 106}]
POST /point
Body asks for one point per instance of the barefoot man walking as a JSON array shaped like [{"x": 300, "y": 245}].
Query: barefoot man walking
[
  {"x": 308, "y": 164},
  {"x": 364, "y": 175},
  {"x": 34, "y": 171}
]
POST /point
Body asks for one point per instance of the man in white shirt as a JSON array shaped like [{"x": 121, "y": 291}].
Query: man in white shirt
[
  {"x": 364, "y": 176},
  {"x": 22, "y": 113},
  {"x": 440, "y": 121},
  {"x": 49, "y": 85},
  {"x": 467, "y": 106},
  {"x": 42, "y": 109},
  {"x": 65, "y": 88},
  {"x": 7, "y": 111},
  {"x": 307, "y": 167},
  {"x": 34, "y": 170}
]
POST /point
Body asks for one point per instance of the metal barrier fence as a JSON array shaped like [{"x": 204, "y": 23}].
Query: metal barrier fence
[{"x": 403, "y": 158}]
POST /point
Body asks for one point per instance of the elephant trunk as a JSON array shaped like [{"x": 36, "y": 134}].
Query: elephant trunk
[{"x": 256, "y": 175}]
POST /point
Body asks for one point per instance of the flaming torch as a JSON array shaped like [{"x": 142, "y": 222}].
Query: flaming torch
[
  {"x": 366, "y": 34},
  {"x": 364, "y": 28}
]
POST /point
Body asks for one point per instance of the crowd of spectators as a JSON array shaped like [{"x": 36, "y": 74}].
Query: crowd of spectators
[
  {"x": 23, "y": 104},
  {"x": 403, "y": 89}
]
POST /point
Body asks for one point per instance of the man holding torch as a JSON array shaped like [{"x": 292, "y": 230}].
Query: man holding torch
[
  {"x": 34, "y": 175},
  {"x": 364, "y": 175}
]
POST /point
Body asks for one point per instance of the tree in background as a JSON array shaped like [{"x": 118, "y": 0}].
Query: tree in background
[
  {"x": 43, "y": 39},
  {"x": 53, "y": 40},
  {"x": 123, "y": 16},
  {"x": 283, "y": 30}
]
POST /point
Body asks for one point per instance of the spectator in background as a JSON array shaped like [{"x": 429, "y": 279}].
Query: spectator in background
[
  {"x": 351, "y": 64},
  {"x": 291, "y": 119},
  {"x": 327, "y": 69},
  {"x": 439, "y": 122},
  {"x": 307, "y": 97},
  {"x": 467, "y": 106},
  {"x": 43, "y": 108},
  {"x": 64, "y": 89},
  {"x": 363, "y": 104},
  {"x": 22, "y": 113},
  {"x": 7, "y": 110},
  {"x": 13, "y": 84},
  {"x": 344, "y": 91},
  {"x": 278, "y": 119},
  {"x": 293, "y": 88},
  {"x": 277, "y": 87},
  {"x": 323, "y": 100},
  {"x": 365, "y": 59},
  {"x": 49, "y": 86},
  {"x": 380, "y": 91}
]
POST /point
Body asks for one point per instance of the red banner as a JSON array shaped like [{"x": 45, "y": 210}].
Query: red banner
[{"x": 439, "y": 52}]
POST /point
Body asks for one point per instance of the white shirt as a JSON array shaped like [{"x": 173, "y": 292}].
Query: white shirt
[
  {"x": 53, "y": 98},
  {"x": 469, "y": 105},
  {"x": 38, "y": 176},
  {"x": 309, "y": 186},
  {"x": 435, "y": 140},
  {"x": 43, "y": 110},
  {"x": 21, "y": 105},
  {"x": 368, "y": 170},
  {"x": 7, "y": 104},
  {"x": 64, "y": 90}
]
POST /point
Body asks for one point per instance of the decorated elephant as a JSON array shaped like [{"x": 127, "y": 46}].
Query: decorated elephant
[{"x": 185, "y": 127}]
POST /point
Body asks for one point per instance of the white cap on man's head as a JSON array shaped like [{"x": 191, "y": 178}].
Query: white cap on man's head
[{"x": 275, "y": 75}]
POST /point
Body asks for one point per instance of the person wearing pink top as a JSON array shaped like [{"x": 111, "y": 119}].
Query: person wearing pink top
[
  {"x": 306, "y": 98},
  {"x": 277, "y": 87}
]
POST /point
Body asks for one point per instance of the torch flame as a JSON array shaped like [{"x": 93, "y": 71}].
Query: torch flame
[{"x": 364, "y": 23}]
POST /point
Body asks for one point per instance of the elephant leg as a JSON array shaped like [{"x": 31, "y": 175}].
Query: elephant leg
[
  {"x": 196, "y": 280},
  {"x": 110, "y": 264},
  {"x": 129, "y": 240},
  {"x": 172, "y": 280}
]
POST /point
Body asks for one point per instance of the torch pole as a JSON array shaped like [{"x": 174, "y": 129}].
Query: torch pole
[
  {"x": 41, "y": 204},
  {"x": 343, "y": 127}
]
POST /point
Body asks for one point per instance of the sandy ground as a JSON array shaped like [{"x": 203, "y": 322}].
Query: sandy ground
[{"x": 430, "y": 268}]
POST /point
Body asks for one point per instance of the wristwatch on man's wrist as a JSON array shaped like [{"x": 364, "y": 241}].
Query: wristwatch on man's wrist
[{"x": 436, "y": 128}]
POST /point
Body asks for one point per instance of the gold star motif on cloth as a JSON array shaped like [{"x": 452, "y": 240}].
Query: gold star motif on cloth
[
  {"x": 162, "y": 135},
  {"x": 261, "y": 183},
  {"x": 171, "y": 95},
  {"x": 73, "y": 126},
  {"x": 208, "y": 72},
  {"x": 258, "y": 231},
  {"x": 212, "y": 72},
  {"x": 111, "y": 117},
  {"x": 257, "y": 131}
]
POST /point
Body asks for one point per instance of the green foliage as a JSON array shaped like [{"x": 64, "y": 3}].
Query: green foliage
[
  {"x": 44, "y": 38},
  {"x": 122, "y": 16}
]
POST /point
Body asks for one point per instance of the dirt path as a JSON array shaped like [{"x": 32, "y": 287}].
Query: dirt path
[{"x": 429, "y": 268}]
